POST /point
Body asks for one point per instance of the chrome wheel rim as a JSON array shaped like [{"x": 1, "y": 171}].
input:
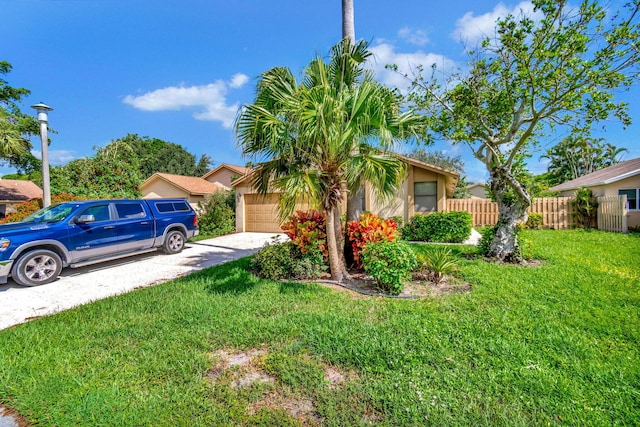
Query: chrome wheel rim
[{"x": 40, "y": 268}]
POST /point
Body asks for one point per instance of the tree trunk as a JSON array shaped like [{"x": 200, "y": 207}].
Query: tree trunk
[
  {"x": 348, "y": 27},
  {"x": 513, "y": 202},
  {"x": 335, "y": 264}
]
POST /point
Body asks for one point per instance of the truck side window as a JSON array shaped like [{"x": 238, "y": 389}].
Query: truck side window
[
  {"x": 130, "y": 210},
  {"x": 99, "y": 212}
]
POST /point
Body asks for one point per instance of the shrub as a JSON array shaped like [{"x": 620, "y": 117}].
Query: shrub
[
  {"x": 285, "y": 261},
  {"x": 28, "y": 207},
  {"x": 217, "y": 214},
  {"x": 444, "y": 227},
  {"x": 390, "y": 263},
  {"x": 586, "y": 206},
  {"x": 438, "y": 263},
  {"x": 307, "y": 230},
  {"x": 370, "y": 228},
  {"x": 534, "y": 222}
]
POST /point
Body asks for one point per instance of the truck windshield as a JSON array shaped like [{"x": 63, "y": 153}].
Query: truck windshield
[{"x": 50, "y": 214}]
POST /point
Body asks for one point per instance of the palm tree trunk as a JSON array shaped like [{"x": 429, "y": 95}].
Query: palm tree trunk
[
  {"x": 348, "y": 27},
  {"x": 335, "y": 264}
]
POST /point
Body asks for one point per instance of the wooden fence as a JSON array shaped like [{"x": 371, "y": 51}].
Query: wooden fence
[
  {"x": 612, "y": 213},
  {"x": 557, "y": 212}
]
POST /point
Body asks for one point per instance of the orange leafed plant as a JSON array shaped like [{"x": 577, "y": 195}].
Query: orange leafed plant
[
  {"x": 307, "y": 230},
  {"x": 370, "y": 228},
  {"x": 28, "y": 207}
]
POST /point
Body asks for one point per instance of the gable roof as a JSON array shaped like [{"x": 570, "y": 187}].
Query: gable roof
[
  {"x": 604, "y": 176},
  {"x": 240, "y": 170},
  {"x": 190, "y": 184},
  {"x": 18, "y": 190}
]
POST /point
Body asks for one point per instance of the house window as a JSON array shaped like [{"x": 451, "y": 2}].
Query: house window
[
  {"x": 633, "y": 195},
  {"x": 425, "y": 196}
]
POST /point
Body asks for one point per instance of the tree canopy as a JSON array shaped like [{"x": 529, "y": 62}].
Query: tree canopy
[
  {"x": 532, "y": 76},
  {"x": 118, "y": 169},
  {"x": 15, "y": 126}
]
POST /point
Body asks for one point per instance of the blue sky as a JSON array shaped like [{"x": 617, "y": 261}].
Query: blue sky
[{"x": 179, "y": 70}]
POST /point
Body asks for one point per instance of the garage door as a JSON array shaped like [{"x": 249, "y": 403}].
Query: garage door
[{"x": 261, "y": 213}]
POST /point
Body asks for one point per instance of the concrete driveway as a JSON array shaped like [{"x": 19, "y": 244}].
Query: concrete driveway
[{"x": 80, "y": 286}]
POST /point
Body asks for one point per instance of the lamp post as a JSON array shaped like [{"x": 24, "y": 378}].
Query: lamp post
[{"x": 42, "y": 110}]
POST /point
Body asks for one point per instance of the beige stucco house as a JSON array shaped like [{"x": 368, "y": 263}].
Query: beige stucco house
[
  {"x": 478, "y": 191},
  {"x": 425, "y": 189},
  {"x": 616, "y": 180},
  {"x": 192, "y": 188},
  {"x": 13, "y": 191},
  {"x": 225, "y": 174}
]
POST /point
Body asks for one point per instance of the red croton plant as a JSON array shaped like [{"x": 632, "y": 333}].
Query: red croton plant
[
  {"x": 370, "y": 228},
  {"x": 307, "y": 230}
]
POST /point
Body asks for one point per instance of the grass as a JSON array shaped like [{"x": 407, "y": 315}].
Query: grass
[{"x": 555, "y": 344}]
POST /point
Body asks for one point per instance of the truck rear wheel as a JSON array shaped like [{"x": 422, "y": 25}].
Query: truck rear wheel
[
  {"x": 37, "y": 267},
  {"x": 174, "y": 242}
]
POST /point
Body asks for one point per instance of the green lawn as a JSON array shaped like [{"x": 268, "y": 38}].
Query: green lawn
[{"x": 555, "y": 344}]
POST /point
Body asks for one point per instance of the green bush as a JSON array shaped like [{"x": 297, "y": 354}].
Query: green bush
[
  {"x": 285, "y": 261},
  {"x": 390, "y": 263},
  {"x": 444, "y": 227},
  {"x": 534, "y": 222},
  {"x": 217, "y": 214}
]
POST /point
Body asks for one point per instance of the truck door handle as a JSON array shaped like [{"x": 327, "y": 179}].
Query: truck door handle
[
  {"x": 144, "y": 223},
  {"x": 109, "y": 227}
]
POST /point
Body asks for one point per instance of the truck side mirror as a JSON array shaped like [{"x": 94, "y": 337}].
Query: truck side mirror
[{"x": 82, "y": 219}]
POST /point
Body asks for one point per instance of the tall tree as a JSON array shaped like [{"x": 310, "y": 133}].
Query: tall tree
[
  {"x": 307, "y": 132},
  {"x": 579, "y": 155},
  {"x": 562, "y": 69},
  {"x": 15, "y": 126}
]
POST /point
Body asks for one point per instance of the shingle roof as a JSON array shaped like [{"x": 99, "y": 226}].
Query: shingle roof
[
  {"x": 190, "y": 184},
  {"x": 18, "y": 190},
  {"x": 608, "y": 175}
]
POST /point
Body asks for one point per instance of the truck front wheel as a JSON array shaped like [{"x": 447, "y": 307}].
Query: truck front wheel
[
  {"x": 174, "y": 242},
  {"x": 37, "y": 267}
]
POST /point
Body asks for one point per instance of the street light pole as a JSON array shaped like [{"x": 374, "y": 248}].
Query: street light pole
[{"x": 42, "y": 110}]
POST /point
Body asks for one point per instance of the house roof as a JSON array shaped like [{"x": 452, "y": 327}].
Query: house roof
[
  {"x": 240, "y": 170},
  {"x": 17, "y": 190},
  {"x": 477, "y": 184},
  {"x": 604, "y": 176},
  {"x": 451, "y": 177},
  {"x": 190, "y": 184}
]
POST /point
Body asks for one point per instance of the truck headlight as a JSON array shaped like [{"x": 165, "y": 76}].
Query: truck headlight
[{"x": 4, "y": 244}]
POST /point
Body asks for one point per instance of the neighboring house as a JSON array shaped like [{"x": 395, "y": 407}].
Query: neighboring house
[
  {"x": 225, "y": 174},
  {"x": 478, "y": 191},
  {"x": 425, "y": 189},
  {"x": 13, "y": 191},
  {"x": 165, "y": 185},
  {"x": 616, "y": 180}
]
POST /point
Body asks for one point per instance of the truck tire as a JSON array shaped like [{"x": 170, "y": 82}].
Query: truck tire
[
  {"x": 174, "y": 242},
  {"x": 37, "y": 267}
]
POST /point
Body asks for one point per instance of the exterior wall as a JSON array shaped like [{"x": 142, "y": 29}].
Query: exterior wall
[
  {"x": 394, "y": 207},
  {"x": 633, "y": 217},
  {"x": 223, "y": 176},
  {"x": 240, "y": 192},
  {"x": 478, "y": 191}
]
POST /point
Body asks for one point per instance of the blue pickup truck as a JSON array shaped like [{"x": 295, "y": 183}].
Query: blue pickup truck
[{"x": 75, "y": 234}]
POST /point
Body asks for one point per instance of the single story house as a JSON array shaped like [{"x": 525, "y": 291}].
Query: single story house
[
  {"x": 620, "y": 179},
  {"x": 425, "y": 189},
  {"x": 14, "y": 191},
  {"x": 478, "y": 191},
  {"x": 225, "y": 174},
  {"x": 194, "y": 189}
]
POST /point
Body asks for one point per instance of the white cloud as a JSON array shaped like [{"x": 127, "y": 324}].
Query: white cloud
[
  {"x": 56, "y": 157},
  {"x": 416, "y": 37},
  {"x": 211, "y": 98},
  {"x": 471, "y": 29},
  {"x": 385, "y": 54}
]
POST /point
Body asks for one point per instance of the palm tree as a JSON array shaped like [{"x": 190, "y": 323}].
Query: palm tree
[{"x": 306, "y": 135}]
